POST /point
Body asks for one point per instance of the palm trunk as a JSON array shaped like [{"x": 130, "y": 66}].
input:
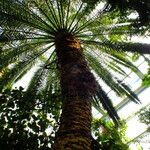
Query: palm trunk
[{"x": 78, "y": 85}]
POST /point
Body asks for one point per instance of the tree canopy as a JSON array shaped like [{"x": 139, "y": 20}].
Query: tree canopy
[{"x": 27, "y": 39}]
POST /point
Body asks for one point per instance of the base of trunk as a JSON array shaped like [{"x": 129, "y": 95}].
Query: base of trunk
[
  {"x": 74, "y": 141},
  {"x": 74, "y": 132}
]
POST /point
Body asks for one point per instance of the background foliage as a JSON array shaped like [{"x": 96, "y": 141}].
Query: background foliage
[
  {"x": 27, "y": 125},
  {"x": 109, "y": 136},
  {"x": 144, "y": 116},
  {"x": 24, "y": 123}
]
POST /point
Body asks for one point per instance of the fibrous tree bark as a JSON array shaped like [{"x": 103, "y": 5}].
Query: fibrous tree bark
[{"x": 78, "y": 85}]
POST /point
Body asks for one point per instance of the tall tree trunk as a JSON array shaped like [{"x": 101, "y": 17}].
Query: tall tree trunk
[{"x": 78, "y": 85}]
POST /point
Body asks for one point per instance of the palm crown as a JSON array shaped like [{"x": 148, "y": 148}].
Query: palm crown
[{"x": 28, "y": 34}]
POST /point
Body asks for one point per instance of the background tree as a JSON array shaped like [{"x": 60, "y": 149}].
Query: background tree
[
  {"x": 60, "y": 37},
  {"x": 141, "y": 7}
]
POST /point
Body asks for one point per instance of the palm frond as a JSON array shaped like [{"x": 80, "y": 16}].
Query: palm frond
[
  {"x": 121, "y": 46},
  {"x": 103, "y": 73},
  {"x": 13, "y": 53},
  {"x": 19, "y": 13},
  {"x": 141, "y": 48},
  {"x": 75, "y": 16},
  {"x": 130, "y": 94},
  {"x": 116, "y": 56},
  {"x": 8, "y": 78},
  {"x": 36, "y": 81},
  {"x": 52, "y": 24},
  {"x": 124, "y": 61},
  {"x": 107, "y": 105}
]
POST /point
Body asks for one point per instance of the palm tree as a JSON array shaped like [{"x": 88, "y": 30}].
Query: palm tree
[{"x": 67, "y": 42}]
